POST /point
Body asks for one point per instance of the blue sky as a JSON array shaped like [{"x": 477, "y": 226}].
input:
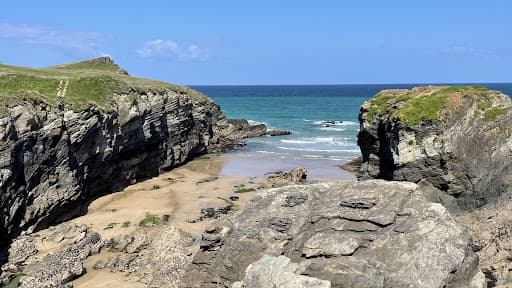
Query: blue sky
[{"x": 269, "y": 42}]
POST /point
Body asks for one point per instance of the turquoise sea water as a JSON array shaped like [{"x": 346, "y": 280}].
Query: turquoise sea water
[{"x": 302, "y": 109}]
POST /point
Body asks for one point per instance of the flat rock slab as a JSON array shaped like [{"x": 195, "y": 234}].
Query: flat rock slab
[{"x": 358, "y": 234}]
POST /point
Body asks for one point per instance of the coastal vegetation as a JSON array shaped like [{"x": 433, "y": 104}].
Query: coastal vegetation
[
  {"x": 150, "y": 220},
  {"x": 206, "y": 180},
  {"x": 244, "y": 190},
  {"x": 412, "y": 107},
  {"x": 78, "y": 85},
  {"x": 492, "y": 113}
]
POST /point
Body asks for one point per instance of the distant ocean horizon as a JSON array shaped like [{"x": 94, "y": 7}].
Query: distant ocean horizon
[{"x": 323, "y": 119}]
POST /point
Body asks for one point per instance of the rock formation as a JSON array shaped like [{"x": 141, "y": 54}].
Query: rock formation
[
  {"x": 56, "y": 152},
  {"x": 278, "y": 272},
  {"x": 280, "y": 178},
  {"x": 158, "y": 256},
  {"x": 456, "y": 138},
  {"x": 368, "y": 234},
  {"x": 70, "y": 244},
  {"x": 278, "y": 132},
  {"x": 455, "y": 142},
  {"x": 88, "y": 128}
]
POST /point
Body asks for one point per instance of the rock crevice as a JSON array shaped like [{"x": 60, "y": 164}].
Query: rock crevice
[
  {"x": 54, "y": 159},
  {"x": 457, "y": 148},
  {"x": 396, "y": 239}
]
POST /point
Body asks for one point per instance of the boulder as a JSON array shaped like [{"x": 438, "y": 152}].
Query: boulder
[
  {"x": 277, "y": 272},
  {"x": 368, "y": 234},
  {"x": 58, "y": 269},
  {"x": 278, "y": 132},
  {"x": 280, "y": 178},
  {"x": 157, "y": 256},
  {"x": 240, "y": 129}
]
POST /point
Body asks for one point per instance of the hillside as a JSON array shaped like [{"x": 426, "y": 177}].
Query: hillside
[{"x": 77, "y": 85}]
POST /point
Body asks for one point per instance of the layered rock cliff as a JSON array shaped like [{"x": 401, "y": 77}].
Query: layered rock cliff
[
  {"x": 456, "y": 138},
  {"x": 72, "y": 132}
]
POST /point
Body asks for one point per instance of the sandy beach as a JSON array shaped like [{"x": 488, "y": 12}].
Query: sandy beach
[{"x": 181, "y": 193}]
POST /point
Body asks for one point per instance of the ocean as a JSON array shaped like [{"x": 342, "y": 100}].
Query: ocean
[{"x": 322, "y": 118}]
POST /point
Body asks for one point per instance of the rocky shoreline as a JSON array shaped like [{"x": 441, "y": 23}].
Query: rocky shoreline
[
  {"x": 430, "y": 208},
  {"x": 55, "y": 158}
]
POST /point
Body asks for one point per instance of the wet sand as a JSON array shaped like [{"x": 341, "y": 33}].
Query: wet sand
[{"x": 254, "y": 165}]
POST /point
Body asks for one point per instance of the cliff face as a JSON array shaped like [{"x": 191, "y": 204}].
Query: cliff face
[
  {"x": 55, "y": 156},
  {"x": 456, "y": 138}
]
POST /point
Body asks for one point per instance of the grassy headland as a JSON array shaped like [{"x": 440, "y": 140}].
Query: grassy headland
[
  {"x": 413, "y": 106},
  {"x": 78, "y": 85}
]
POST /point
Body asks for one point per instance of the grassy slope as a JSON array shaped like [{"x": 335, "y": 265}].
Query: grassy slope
[
  {"x": 90, "y": 82},
  {"x": 427, "y": 103}
]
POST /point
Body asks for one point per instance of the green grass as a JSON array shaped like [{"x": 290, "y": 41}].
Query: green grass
[
  {"x": 422, "y": 108},
  {"x": 126, "y": 224},
  {"x": 15, "y": 282},
  {"x": 15, "y": 88},
  {"x": 412, "y": 107},
  {"x": 381, "y": 102},
  {"x": 150, "y": 220},
  {"x": 97, "y": 64},
  {"x": 232, "y": 205},
  {"x": 245, "y": 190},
  {"x": 93, "y": 82},
  {"x": 94, "y": 90},
  {"x": 492, "y": 113}
]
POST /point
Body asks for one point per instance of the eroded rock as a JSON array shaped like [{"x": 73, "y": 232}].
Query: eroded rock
[
  {"x": 158, "y": 256},
  {"x": 280, "y": 178},
  {"x": 462, "y": 148},
  {"x": 278, "y": 132},
  {"x": 57, "y": 269},
  {"x": 278, "y": 272},
  {"x": 54, "y": 158},
  {"x": 399, "y": 240}
]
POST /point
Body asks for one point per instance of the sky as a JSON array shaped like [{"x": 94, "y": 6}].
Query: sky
[{"x": 268, "y": 42}]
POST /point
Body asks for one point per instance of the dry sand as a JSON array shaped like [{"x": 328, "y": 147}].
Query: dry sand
[{"x": 180, "y": 193}]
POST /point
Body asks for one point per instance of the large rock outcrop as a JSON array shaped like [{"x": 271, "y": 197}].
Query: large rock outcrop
[
  {"x": 64, "y": 249},
  {"x": 456, "y": 138},
  {"x": 57, "y": 151},
  {"x": 158, "y": 256},
  {"x": 368, "y": 234}
]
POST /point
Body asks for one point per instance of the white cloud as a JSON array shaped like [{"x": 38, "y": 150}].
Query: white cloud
[
  {"x": 465, "y": 50},
  {"x": 82, "y": 42},
  {"x": 171, "y": 50}
]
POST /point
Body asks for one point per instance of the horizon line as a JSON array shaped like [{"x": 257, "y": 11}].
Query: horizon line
[{"x": 358, "y": 84}]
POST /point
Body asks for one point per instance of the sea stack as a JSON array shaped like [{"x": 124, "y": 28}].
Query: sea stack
[{"x": 457, "y": 139}]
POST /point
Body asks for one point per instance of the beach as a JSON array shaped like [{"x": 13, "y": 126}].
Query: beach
[{"x": 206, "y": 182}]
